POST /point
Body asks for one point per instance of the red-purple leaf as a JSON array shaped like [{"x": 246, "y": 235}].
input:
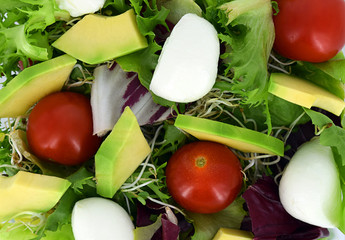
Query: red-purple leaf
[
  {"x": 171, "y": 224},
  {"x": 113, "y": 90},
  {"x": 270, "y": 220},
  {"x": 168, "y": 231}
]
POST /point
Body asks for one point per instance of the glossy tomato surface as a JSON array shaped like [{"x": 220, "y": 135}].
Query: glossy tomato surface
[
  {"x": 60, "y": 129},
  {"x": 309, "y": 30},
  {"x": 204, "y": 177}
]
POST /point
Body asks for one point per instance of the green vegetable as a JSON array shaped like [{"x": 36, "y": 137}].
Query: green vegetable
[
  {"x": 207, "y": 225},
  {"x": 335, "y": 68},
  {"x": 120, "y": 36},
  {"x": 330, "y": 134},
  {"x": 178, "y": 8},
  {"x": 82, "y": 187},
  {"x": 304, "y": 93},
  {"x": 242, "y": 21},
  {"x": 239, "y": 138},
  {"x": 320, "y": 78},
  {"x": 28, "y": 40},
  {"x": 120, "y": 154},
  {"x": 22, "y": 232}
]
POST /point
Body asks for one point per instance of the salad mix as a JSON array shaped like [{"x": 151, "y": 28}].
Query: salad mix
[{"x": 257, "y": 50}]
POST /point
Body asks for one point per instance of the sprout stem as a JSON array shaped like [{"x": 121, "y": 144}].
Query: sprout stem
[
  {"x": 166, "y": 205},
  {"x": 126, "y": 186}
]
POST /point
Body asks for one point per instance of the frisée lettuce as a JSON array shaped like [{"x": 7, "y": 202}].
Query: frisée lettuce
[
  {"x": 247, "y": 31},
  {"x": 22, "y": 32}
]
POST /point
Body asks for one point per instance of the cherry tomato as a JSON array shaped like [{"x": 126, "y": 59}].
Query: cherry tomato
[
  {"x": 204, "y": 177},
  {"x": 60, "y": 129},
  {"x": 309, "y": 30}
]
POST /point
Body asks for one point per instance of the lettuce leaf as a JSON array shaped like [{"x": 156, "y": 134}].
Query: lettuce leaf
[
  {"x": 22, "y": 35},
  {"x": 11, "y": 231},
  {"x": 22, "y": 232},
  {"x": 207, "y": 225},
  {"x": 6, "y": 152},
  {"x": 65, "y": 233},
  {"x": 248, "y": 33},
  {"x": 82, "y": 187},
  {"x": 330, "y": 134},
  {"x": 10, "y": 5},
  {"x": 279, "y": 118}
]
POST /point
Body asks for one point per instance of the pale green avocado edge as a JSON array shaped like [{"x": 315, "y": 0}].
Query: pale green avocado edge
[{"x": 235, "y": 133}]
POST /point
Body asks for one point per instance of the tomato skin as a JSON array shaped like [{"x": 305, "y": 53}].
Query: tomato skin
[
  {"x": 209, "y": 187},
  {"x": 309, "y": 30},
  {"x": 60, "y": 129}
]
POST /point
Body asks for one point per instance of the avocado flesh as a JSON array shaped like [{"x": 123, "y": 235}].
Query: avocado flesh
[
  {"x": 120, "y": 154},
  {"x": 304, "y": 93},
  {"x": 33, "y": 83},
  {"x": 96, "y": 38},
  {"x": 242, "y": 139},
  {"x": 232, "y": 234},
  {"x": 31, "y": 192}
]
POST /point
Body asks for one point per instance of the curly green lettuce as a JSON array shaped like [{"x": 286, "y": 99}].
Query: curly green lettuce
[
  {"x": 22, "y": 32},
  {"x": 247, "y": 30}
]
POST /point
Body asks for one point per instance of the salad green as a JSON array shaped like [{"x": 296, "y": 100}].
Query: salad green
[
  {"x": 240, "y": 97},
  {"x": 23, "y": 32}
]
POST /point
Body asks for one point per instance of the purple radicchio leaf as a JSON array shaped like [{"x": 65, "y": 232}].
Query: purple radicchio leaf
[
  {"x": 171, "y": 224},
  {"x": 170, "y": 229},
  {"x": 269, "y": 220},
  {"x": 144, "y": 212},
  {"x": 113, "y": 90}
]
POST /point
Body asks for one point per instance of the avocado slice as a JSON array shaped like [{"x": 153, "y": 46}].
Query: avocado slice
[
  {"x": 31, "y": 192},
  {"x": 233, "y": 234},
  {"x": 304, "y": 93},
  {"x": 120, "y": 154},
  {"x": 33, "y": 83},
  {"x": 325, "y": 80},
  {"x": 243, "y": 139},
  {"x": 97, "y": 38}
]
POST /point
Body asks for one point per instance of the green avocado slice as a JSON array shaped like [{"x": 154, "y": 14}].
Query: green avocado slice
[
  {"x": 304, "y": 93},
  {"x": 321, "y": 75},
  {"x": 33, "y": 83},
  {"x": 31, "y": 192},
  {"x": 120, "y": 154},
  {"x": 97, "y": 38},
  {"x": 239, "y": 138}
]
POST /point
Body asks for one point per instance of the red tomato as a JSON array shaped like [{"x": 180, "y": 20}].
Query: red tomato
[
  {"x": 310, "y": 30},
  {"x": 60, "y": 129},
  {"x": 204, "y": 177}
]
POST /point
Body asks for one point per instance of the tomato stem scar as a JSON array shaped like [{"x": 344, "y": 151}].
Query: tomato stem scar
[{"x": 200, "y": 162}]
